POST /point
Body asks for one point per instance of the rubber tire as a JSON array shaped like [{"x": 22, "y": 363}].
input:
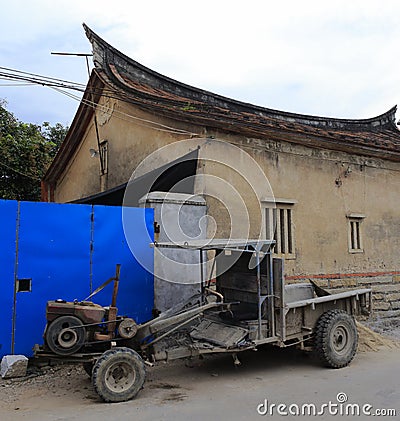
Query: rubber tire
[
  {"x": 88, "y": 367},
  {"x": 115, "y": 360},
  {"x": 55, "y": 327},
  {"x": 335, "y": 338}
]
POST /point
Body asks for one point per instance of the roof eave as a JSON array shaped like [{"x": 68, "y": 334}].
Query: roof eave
[{"x": 102, "y": 52}]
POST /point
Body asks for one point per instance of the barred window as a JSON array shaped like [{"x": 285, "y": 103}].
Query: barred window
[
  {"x": 104, "y": 156},
  {"x": 355, "y": 233},
  {"x": 279, "y": 226}
]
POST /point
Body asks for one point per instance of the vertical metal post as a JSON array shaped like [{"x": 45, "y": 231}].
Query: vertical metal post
[
  {"x": 279, "y": 292},
  {"x": 112, "y": 310},
  {"x": 91, "y": 251},
  {"x": 271, "y": 297},
  {"x": 116, "y": 285},
  {"x": 95, "y": 122},
  {"x": 370, "y": 302},
  {"x": 212, "y": 270},
  {"x": 201, "y": 275},
  {"x": 14, "y": 311},
  {"x": 259, "y": 292}
]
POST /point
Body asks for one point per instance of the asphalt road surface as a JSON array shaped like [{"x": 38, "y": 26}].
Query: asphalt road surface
[{"x": 213, "y": 389}]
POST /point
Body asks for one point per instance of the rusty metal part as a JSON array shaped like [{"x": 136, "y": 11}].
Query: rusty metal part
[
  {"x": 127, "y": 328},
  {"x": 67, "y": 338},
  {"x": 116, "y": 284},
  {"x": 65, "y": 335},
  {"x": 112, "y": 311},
  {"x": 71, "y": 325},
  {"x": 104, "y": 284},
  {"x": 87, "y": 312},
  {"x": 102, "y": 336},
  {"x": 112, "y": 319}
]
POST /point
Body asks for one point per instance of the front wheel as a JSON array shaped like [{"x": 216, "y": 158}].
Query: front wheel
[
  {"x": 336, "y": 338},
  {"x": 118, "y": 375}
]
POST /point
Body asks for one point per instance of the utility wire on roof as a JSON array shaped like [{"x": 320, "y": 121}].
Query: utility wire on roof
[
  {"x": 121, "y": 114},
  {"x": 15, "y": 84},
  {"x": 60, "y": 84},
  {"x": 35, "y": 75},
  {"x": 47, "y": 81}
]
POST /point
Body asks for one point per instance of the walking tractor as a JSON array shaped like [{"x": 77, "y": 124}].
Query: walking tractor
[{"x": 245, "y": 306}]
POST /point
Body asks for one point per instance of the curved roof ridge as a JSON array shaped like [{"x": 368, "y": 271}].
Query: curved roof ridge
[{"x": 105, "y": 55}]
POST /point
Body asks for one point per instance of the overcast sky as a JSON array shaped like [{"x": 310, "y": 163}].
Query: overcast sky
[{"x": 336, "y": 58}]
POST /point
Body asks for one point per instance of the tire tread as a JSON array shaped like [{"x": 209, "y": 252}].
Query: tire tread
[
  {"x": 321, "y": 340},
  {"x": 98, "y": 370}
]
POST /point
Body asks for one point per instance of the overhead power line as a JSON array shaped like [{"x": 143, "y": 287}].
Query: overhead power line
[
  {"x": 13, "y": 73},
  {"x": 32, "y": 177},
  {"x": 15, "y": 84},
  {"x": 63, "y": 86},
  {"x": 125, "y": 116}
]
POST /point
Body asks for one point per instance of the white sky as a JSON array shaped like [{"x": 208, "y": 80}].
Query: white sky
[{"x": 336, "y": 58}]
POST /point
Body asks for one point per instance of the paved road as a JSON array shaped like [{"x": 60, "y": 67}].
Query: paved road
[{"x": 214, "y": 389}]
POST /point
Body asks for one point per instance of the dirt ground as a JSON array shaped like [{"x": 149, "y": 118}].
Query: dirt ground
[
  {"x": 389, "y": 327},
  {"x": 212, "y": 388}
]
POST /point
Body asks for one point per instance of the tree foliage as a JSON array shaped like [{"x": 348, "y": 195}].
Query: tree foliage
[{"x": 26, "y": 151}]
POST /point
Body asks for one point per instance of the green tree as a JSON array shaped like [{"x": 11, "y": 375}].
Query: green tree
[
  {"x": 54, "y": 136},
  {"x": 26, "y": 151}
]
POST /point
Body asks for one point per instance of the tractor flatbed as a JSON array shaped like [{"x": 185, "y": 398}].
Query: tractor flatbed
[{"x": 243, "y": 304}]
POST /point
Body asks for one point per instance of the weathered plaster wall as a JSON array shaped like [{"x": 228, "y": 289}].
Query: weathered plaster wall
[
  {"x": 324, "y": 185},
  {"x": 310, "y": 178},
  {"x": 130, "y": 141},
  {"x": 82, "y": 175}
]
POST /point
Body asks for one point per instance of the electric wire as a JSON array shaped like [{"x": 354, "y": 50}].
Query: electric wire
[
  {"x": 15, "y": 84},
  {"x": 59, "y": 83},
  {"x": 35, "y": 75},
  {"x": 32, "y": 177},
  {"x": 121, "y": 115},
  {"x": 62, "y": 86}
]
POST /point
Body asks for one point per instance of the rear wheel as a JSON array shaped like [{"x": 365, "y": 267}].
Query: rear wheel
[
  {"x": 336, "y": 338},
  {"x": 118, "y": 375}
]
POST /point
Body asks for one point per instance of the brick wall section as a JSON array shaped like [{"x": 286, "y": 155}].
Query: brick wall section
[{"x": 385, "y": 288}]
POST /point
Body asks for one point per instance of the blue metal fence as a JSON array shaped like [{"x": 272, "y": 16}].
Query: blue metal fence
[
  {"x": 8, "y": 214},
  {"x": 50, "y": 251}
]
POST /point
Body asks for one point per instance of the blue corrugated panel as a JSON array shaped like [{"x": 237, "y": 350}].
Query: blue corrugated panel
[
  {"x": 65, "y": 252},
  {"x": 54, "y": 250},
  {"x": 110, "y": 246},
  {"x": 8, "y": 217}
]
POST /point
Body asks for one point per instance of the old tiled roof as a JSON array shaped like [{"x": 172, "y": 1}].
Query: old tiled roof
[{"x": 148, "y": 89}]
